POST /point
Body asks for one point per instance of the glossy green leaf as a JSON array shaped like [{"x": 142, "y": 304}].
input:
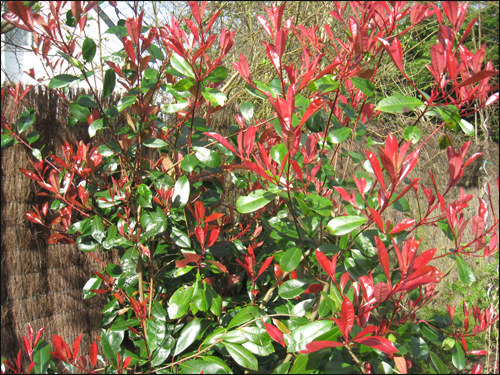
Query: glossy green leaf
[
  {"x": 181, "y": 192},
  {"x": 300, "y": 364},
  {"x": 432, "y": 334},
  {"x": 305, "y": 334},
  {"x": 88, "y": 49},
  {"x": 438, "y": 365},
  {"x": 182, "y": 66},
  {"x": 95, "y": 127},
  {"x": 247, "y": 110},
  {"x": 176, "y": 107},
  {"x": 198, "y": 366},
  {"x": 219, "y": 74},
  {"x": 109, "y": 83},
  {"x": 318, "y": 204},
  {"x": 467, "y": 127},
  {"x": 242, "y": 356},
  {"x": 345, "y": 224},
  {"x": 458, "y": 356},
  {"x": 401, "y": 205},
  {"x": 26, "y": 120},
  {"x": 450, "y": 115},
  {"x": 183, "y": 85},
  {"x": 214, "y": 96},
  {"x": 122, "y": 326},
  {"x": 61, "y": 80},
  {"x": 114, "y": 270},
  {"x": 151, "y": 73},
  {"x": 179, "y": 302},
  {"x": 283, "y": 368},
  {"x": 145, "y": 195},
  {"x": 214, "y": 300},
  {"x": 41, "y": 357},
  {"x": 86, "y": 243},
  {"x": 32, "y": 136},
  {"x": 110, "y": 342},
  {"x": 208, "y": 157},
  {"x": 291, "y": 259},
  {"x": 254, "y": 201},
  {"x": 164, "y": 351},
  {"x": 7, "y": 141},
  {"x": 293, "y": 288},
  {"x": 419, "y": 348},
  {"x": 93, "y": 283},
  {"x": 339, "y": 135},
  {"x": 398, "y": 104},
  {"x": 125, "y": 102},
  {"x": 180, "y": 238},
  {"x": 86, "y": 101},
  {"x": 188, "y": 335},
  {"x": 98, "y": 229},
  {"x": 364, "y": 85},
  {"x": 189, "y": 163},
  {"x": 117, "y": 30},
  {"x": 79, "y": 112},
  {"x": 199, "y": 302},
  {"x": 154, "y": 143},
  {"x": 243, "y": 316},
  {"x": 411, "y": 133},
  {"x": 465, "y": 272}
]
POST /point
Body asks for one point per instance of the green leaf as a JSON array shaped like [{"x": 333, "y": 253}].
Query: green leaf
[
  {"x": 432, "y": 334},
  {"x": 299, "y": 366},
  {"x": 199, "y": 302},
  {"x": 364, "y": 85},
  {"x": 114, "y": 270},
  {"x": 448, "y": 343},
  {"x": 179, "y": 302},
  {"x": 467, "y": 127},
  {"x": 37, "y": 154},
  {"x": 79, "y": 112},
  {"x": 324, "y": 84},
  {"x": 401, "y": 205},
  {"x": 93, "y": 283},
  {"x": 188, "y": 335},
  {"x": 219, "y": 74},
  {"x": 247, "y": 110},
  {"x": 243, "y": 316},
  {"x": 95, "y": 127},
  {"x": 110, "y": 342},
  {"x": 122, "y": 326},
  {"x": 181, "y": 65},
  {"x": 450, "y": 115},
  {"x": 411, "y": 133},
  {"x": 150, "y": 73},
  {"x": 242, "y": 356},
  {"x": 438, "y": 365},
  {"x": 208, "y": 157},
  {"x": 189, "y": 163},
  {"x": 61, "y": 80},
  {"x": 339, "y": 135},
  {"x": 164, "y": 351},
  {"x": 183, "y": 85},
  {"x": 154, "y": 143},
  {"x": 305, "y": 334},
  {"x": 88, "y": 49},
  {"x": 176, "y": 107},
  {"x": 145, "y": 195},
  {"x": 254, "y": 201},
  {"x": 214, "y": 96},
  {"x": 293, "y": 288},
  {"x": 181, "y": 192},
  {"x": 7, "y": 141},
  {"x": 419, "y": 348},
  {"x": 465, "y": 272},
  {"x": 196, "y": 366},
  {"x": 98, "y": 231},
  {"x": 26, "y": 120},
  {"x": 41, "y": 357},
  {"x": 398, "y": 104},
  {"x": 458, "y": 356},
  {"x": 345, "y": 224},
  {"x": 283, "y": 368},
  {"x": 117, "y": 30},
  {"x": 32, "y": 136},
  {"x": 291, "y": 259},
  {"x": 180, "y": 238},
  {"x": 125, "y": 102},
  {"x": 213, "y": 299},
  {"x": 320, "y": 205},
  {"x": 86, "y": 101},
  {"x": 109, "y": 83}
]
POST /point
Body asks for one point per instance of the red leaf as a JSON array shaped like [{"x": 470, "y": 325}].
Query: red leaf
[
  {"x": 450, "y": 9},
  {"x": 476, "y": 369},
  {"x": 30, "y": 174},
  {"x": 264, "y": 266},
  {"x": 76, "y": 346},
  {"x": 129, "y": 48},
  {"x": 38, "y": 335},
  {"x": 219, "y": 138},
  {"x": 126, "y": 362},
  {"x": 405, "y": 224},
  {"x": 212, "y": 20},
  {"x": 377, "y": 219},
  {"x": 82, "y": 361},
  {"x": 381, "y": 291},
  {"x": 61, "y": 347},
  {"x": 314, "y": 288},
  {"x": 266, "y": 26},
  {"x": 249, "y": 140},
  {"x": 376, "y": 168},
  {"x": 33, "y": 218},
  {"x": 478, "y": 352},
  {"x": 468, "y": 29},
  {"x": 401, "y": 364},
  {"x": 195, "y": 9},
  {"x": 379, "y": 343},
  {"x": 347, "y": 316},
  {"x": 27, "y": 348},
  {"x": 22, "y": 12},
  {"x": 324, "y": 263},
  {"x": 213, "y": 217},
  {"x": 311, "y": 110},
  {"x": 145, "y": 250},
  {"x": 423, "y": 259},
  {"x": 479, "y": 76},
  {"x": 199, "y": 209},
  {"x": 189, "y": 257},
  {"x": 275, "y": 334},
  {"x": 318, "y": 345},
  {"x": 396, "y": 53},
  {"x": 213, "y": 237},
  {"x": 383, "y": 258}
]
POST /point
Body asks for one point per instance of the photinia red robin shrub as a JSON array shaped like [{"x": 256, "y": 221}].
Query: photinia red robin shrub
[{"x": 300, "y": 280}]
